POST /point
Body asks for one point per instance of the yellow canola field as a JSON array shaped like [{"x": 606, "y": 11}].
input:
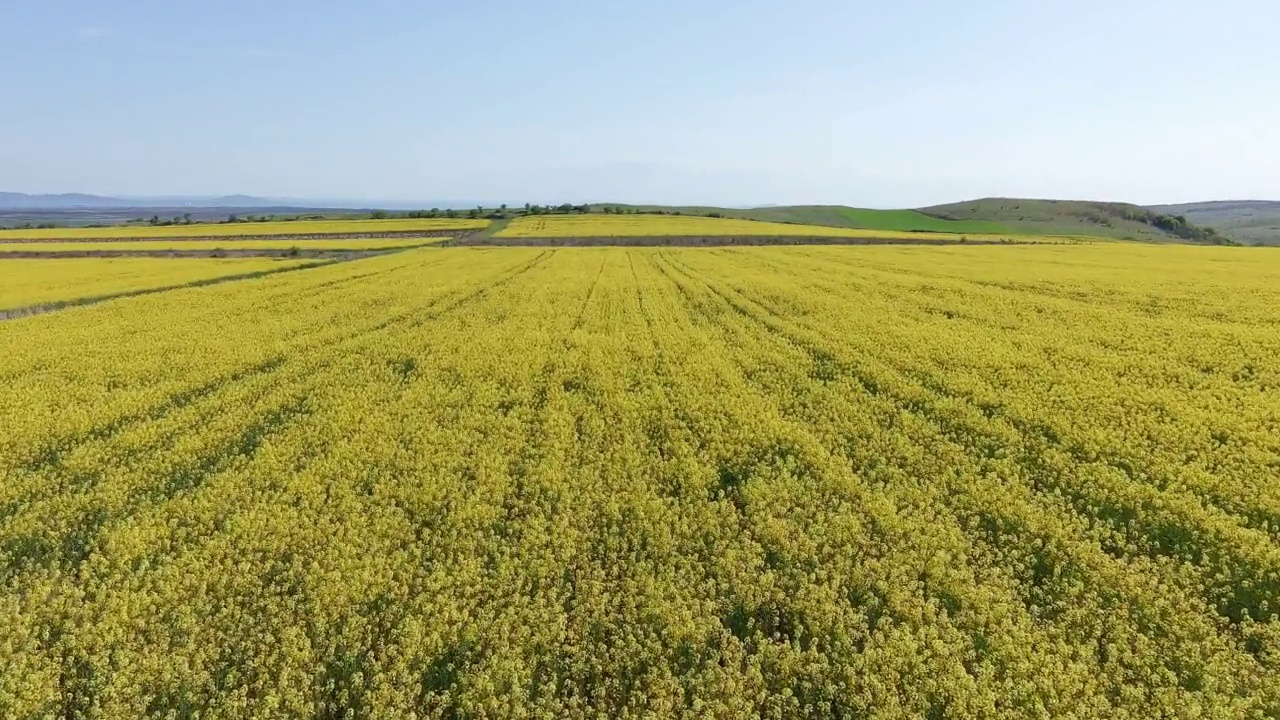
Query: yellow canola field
[
  {"x": 569, "y": 226},
  {"x": 29, "y": 283},
  {"x": 353, "y": 244},
  {"x": 200, "y": 230},
  {"x": 883, "y": 482}
]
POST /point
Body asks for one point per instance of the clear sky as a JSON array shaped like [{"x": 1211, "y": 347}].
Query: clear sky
[{"x": 881, "y": 104}]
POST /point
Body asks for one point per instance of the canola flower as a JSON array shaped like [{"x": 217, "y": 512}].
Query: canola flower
[
  {"x": 571, "y": 226},
  {"x": 34, "y": 282},
  {"x": 979, "y": 482}
]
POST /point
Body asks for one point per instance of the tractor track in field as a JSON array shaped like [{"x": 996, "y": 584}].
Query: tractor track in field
[
  {"x": 41, "y": 309},
  {"x": 213, "y": 254}
]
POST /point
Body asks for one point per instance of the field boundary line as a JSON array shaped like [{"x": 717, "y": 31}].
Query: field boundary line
[{"x": 41, "y": 309}]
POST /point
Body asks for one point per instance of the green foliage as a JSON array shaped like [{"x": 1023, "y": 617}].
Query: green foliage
[{"x": 1073, "y": 217}]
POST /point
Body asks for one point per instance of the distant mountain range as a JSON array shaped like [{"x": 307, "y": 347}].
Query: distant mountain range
[
  {"x": 69, "y": 201},
  {"x": 22, "y": 201}
]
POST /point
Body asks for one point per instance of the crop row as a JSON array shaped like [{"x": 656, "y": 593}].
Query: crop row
[
  {"x": 800, "y": 482},
  {"x": 28, "y": 283},
  {"x": 605, "y": 226},
  {"x": 243, "y": 229}
]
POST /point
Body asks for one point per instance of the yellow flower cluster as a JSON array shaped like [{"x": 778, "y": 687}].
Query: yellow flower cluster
[
  {"x": 592, "y": 226},
  {"x": 28, "y": 283},
  {"x": 881, "y": 482}
]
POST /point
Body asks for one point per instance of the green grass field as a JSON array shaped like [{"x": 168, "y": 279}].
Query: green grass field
[
  {"x": 595, "y": 226},
  {"x": 838, "y": 216},
  {"x": 1253, "y": 222},
  {"x": 1052, "y": 217},
  {"x": 899, "y": 220},
  {"x": 990, "y": 216}
]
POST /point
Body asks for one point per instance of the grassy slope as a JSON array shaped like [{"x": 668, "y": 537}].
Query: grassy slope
[
  {"x": 1054, "y": 217},
  {"x": 599, "y": 225},
  {"x": 1247, "y": 221},
  {"x": 840, "y": 216}
]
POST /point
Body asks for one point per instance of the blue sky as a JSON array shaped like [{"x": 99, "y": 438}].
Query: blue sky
[{"x": 805, "y": 101}]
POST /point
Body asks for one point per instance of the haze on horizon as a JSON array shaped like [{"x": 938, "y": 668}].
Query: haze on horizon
[{"x": 717, "y": 102}]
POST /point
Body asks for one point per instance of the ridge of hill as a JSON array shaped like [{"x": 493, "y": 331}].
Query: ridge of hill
[
  {"x": 838, "y": 216},
  {"x": 1071, "y": 217},
  {"x": 1256, "y": 222},
  {"x": 987, "y": 216}
]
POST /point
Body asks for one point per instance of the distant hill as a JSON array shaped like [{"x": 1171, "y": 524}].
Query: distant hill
[
  {"x": 1217, "y": 223},
  {"x": 69, "y": 201},
  {"x": 22, "y": 201},
  {"x": 1074, "y": 217},
  {"x": 835, "y": 216},
  {"x": 1255, "y": 222},
  {"x": 988, "y": 216},
  {"x": 65, "y": 201}
]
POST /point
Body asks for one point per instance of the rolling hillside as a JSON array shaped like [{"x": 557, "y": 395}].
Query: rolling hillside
[
  {"x": 1254, "y": 222},
  {"x": 992, "y": 216},
  {"x": 838, "y": 216},
  {"x": 1066, "y": 217}
]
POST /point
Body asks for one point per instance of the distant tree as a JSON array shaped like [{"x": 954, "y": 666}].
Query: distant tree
[
  {"x": 565, "y": 208},
  {"x": 608, "y": 210},
  {"x": 233, "y": 218},
  {"x": 433, "y": 213},
  {"x": 533, "y": 209},
  {"x": 451, "y": 213},
  {"x": 186, "y": 218},
  {"x": 528, "y": 209},
  {"x": 155, "y": 220},
  {"x": 378, "y": 215},
  {"x": 473, "y": 213}
]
